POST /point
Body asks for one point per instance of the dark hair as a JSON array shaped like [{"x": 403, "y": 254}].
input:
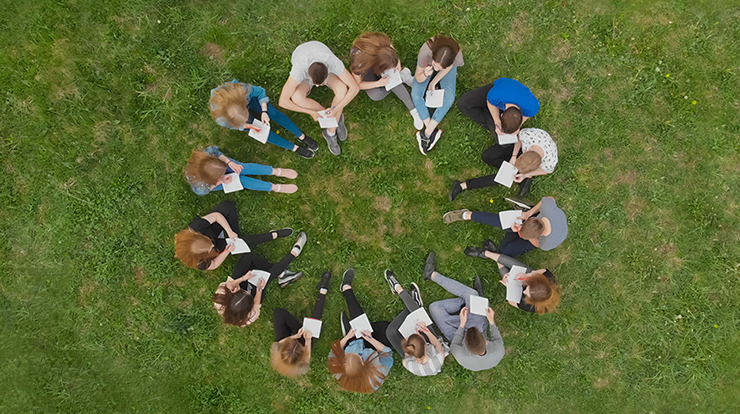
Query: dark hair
[
  {"x": 414, "y": 345},
  {"x": 374, "y": 53},
  {"x": 444, "y": 50},
  {"x": 511, "y": 119},
  {"x": 475, "y": 341},
  {"x": 236, "y": 305},
  {"x": 531, "y": 228},
  {"x": 318, "y": 73}
]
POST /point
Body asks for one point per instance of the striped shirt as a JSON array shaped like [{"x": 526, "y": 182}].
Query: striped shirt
[{"x": 432, "y": 367}]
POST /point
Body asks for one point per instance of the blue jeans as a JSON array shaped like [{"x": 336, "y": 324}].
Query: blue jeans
[
  {"x": 448, "y": 83},
  {"x": 249, "y": 182},
  {"x": 443, "y": 311},
  {"x": 512, "y": 244},
  {"x": 282, "y": 120}
]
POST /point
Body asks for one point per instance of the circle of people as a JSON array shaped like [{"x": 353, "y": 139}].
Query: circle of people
[{"x": 362, "y": 358}]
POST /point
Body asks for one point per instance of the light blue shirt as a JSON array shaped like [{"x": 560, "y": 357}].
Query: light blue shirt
[{"x": 200, "y": 188}]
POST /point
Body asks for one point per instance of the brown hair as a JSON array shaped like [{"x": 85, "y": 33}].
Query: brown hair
[
  {"x": 194, "y": 249},
  {"x": 414, "y": 345},
  {"x": 236, "y": 305},
  {"x": 375, "y": 53},
  {"x": 318, "y": 73},
  {"x": 511, "y": 119},
  {"x": 531, "y": 228},
  {"x": 543, "y": 294},
  {"x": 230, "y": 102},
  {"x": 289, "y": 357},
  {"x": 204, "y": 167},
  {"x": 475, "y": 341},
  {"x": 528, "y": 162},
  {"x": 444, "y": 50},
  {"x": 355, "y": 374}
]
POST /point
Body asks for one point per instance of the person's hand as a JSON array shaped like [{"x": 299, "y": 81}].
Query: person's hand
[
  {"x": 521, "y": 276},
  {"x": 351, "y": 333},
  {"x": 490, "y": 314},
  {"x": 232, "y": 285},
  {"x": 422, "y": 326},
  {"x": 265, "y": 118},
  {"x": 235, "y": 166},
  {"x": 463, "y": 316},
  {"x": 382, "y": 81},
  {"x": 252, "y": 126},
  {"x": 499, "y": 129},
  {"x": 232, "y": 235},
  {"x": 307, "y": 335},
  {"x": 227, "y": 179},
  {"x": 336, "y": 111},
  {"x": 512, "y": 161},
  {"x": 367, "y": 335},
  {"x": 516, "y": 227},
  {"x": 432, "y": 86},
  {"x": 261, "y": 284},
  {"x": 519, "y": 177},
  {"x": 428, "y": 71},
  {"x": 505, "y": 279},
  {"x": 315, "y": 115},
  {"x": 229, "y": 248}
]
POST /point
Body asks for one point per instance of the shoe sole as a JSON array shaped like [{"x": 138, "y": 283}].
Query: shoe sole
[
  {"x": 418, "y": 139},
  {"x": 291, "y": 281},
  {"x": 392, "y": 286},
  {"x": 433, "y": 143},
  {"x": 342, "y": 317},
  {"x": 447, "y": 217},
  {"x": 518, "y": 203}
]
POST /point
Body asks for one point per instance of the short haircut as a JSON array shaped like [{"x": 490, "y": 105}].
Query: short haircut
[
  {"x": 230, "y": 102},
  {"x": 475, "y": 341},
  {"x": 532, "y": 228},
  {"x": 511, "y": 119},
  {"x": 444, "y": 50},
  {"x": 528, "y": 162},
  {"x": 544, "y": 295},
  {"x": 414, "y": 345},
  {"x": 318, "y": 73}
]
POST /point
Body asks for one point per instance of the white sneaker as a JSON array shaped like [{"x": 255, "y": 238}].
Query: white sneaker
[
  {"x": 407, "y": 77},
  {"x": 418, "y": 123}
]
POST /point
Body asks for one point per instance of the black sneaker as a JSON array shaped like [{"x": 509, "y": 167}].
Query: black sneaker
[
  {"x": 519, "y": 203},
  {"x": 344, "y": 322},
  {"x": 524, "y": 187},
  {"x": 434, "y": 139},
  {"x": 390, "y": 277},
  {"x": 429, "y": 267},
  {"x": 478, "y": 286},
  {"x": 416, "y": 294},
  {"x": 456, "y": 190},
  {"x": 304, "y": 152},
  {"x": 348, "y": 276},
  {"x": 490, "y": 246},
  {"x": 325, "y": 281},
  {"x": 286, "y": 232},
  {"x": 288, "y": 278},
  {"x": 476, "y": 252},
  {"x": 310, "y": 143},
  {"x": 423, "y": 141}
]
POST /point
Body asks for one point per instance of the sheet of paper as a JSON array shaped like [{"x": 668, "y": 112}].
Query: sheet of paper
[
  {"x": 234, "y": 185},
  {"x": 359, "y": 324},
  {"x": 258, "y": 275},
  {"x": 478, "y": 305},
  {"x": 505, "y": 175},
  {"x": 509, "y": 217},
  {"x": 263, "y": 134},
  {"x": 313, "y": 325},
  {"x": 435, "y": 98},
  {"x": 505, "y": 139},
  {"x": 515, "y": 270},
  {"x": 408, "y": 327},
  {"x": 240, "y": 246},
  {"x": 394, "y": 78},
  {"x": 325, "y": 122},
  {"x": 514, "y": 289}
]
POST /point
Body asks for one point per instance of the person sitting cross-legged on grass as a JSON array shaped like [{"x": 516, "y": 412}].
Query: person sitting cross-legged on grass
[
  {"x": 543, "y": 226},
  {"x": 291, "y": 351},
  {"x": 423, "y": 352},
  {"x": 465, "y": 331},
  {"x": 230, "y": 105},
  {"x": 373, "y": 54},
  {"x": 541, "y": 292},
  {"x": 208, "y": 170},
  {"x": 238, "y": 301},
  {"x": 436, "y": 65},
  {"x": 315, "y": 65},
  {"x": 534, "y": 153},
  {"x": 359, "y": 364}
]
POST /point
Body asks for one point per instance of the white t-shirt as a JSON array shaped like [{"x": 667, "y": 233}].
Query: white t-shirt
[
  {"x": 311, "y": 52},
  {"x": 534, "y": 136}
]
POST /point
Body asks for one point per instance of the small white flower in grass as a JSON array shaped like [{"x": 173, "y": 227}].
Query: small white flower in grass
[
  {"x": 679, "y": 317},
  {"x": 468, "y": 9},
  {"x": 685, "y": 97},
  {"x": 657, "y": 69},
  {"x": 159, "y": 21}
]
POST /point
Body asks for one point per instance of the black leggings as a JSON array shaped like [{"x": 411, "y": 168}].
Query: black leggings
[
  {"x": 250, "y": 261},
  {"x": 228, "y": 210},
  {"x": 355, "y": 310},
  {"x": 493, "y": 156},
  {"x": 392, "y": 333},
  {"x": 286, "y": 324}
]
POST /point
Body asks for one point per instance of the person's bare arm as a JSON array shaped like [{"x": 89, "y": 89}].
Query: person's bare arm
[
  {"x": 350, "y": 334},
  {"x": 348, "y": 80},
  {"x": 441, "y": 74},
  {"x": 423, "y": 73},
  {"x": 364, "y": 85},
  {"x": 517, "y": 147},
  {"x": 215, "y": 263},
  {"x": 286, "y": 96},
  {"x": 221, "y": 220},
  {"x": 531, "y": 212},
  {"x": 496, "y": 115}
]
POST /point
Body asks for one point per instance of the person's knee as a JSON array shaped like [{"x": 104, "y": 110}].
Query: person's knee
[
  {"x": 375, "y": 94},
  {"x": 279, "y": 315},
  {"x": 418, "y": 92}
]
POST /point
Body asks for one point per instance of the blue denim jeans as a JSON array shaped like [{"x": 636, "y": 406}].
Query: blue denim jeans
[
  {"x": 443, "y": 312},
  {"x": 282, "y": 120},
  {"x": 249, "y": 182},
  {"x": 418, "y": 90}
]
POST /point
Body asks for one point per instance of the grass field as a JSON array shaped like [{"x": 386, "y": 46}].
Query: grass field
[{"x": 104, "y": 102}]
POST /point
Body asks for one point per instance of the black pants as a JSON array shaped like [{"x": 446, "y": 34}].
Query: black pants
[
  {"x": 286, "y": 324},
  {"x": 250, "y": 261},
  {"x": 474, "y": 105},
  {"x": 392, "y": 333},
  {"x": 493, "y": 156},
  {"x": 228, "y": 210},
  {"x": 355, "y": 310}
]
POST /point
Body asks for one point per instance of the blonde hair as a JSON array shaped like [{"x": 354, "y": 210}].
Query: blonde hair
[
  {"x": 528, "y": 162},
  {"x": 230, "y": 102},
  {"x": 289, "y": 357},
  {"x": 414, "y": 345},
  {"x": 194, "y": 249},
  {"x": 543, "y": 294},
  {"x": 355, "y": 374},
  {"x": 376, "y": 54},
  {"x": 205, "y": 168}
]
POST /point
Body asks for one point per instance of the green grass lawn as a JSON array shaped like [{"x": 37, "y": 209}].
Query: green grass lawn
[{"x": 104, "y": 101}]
